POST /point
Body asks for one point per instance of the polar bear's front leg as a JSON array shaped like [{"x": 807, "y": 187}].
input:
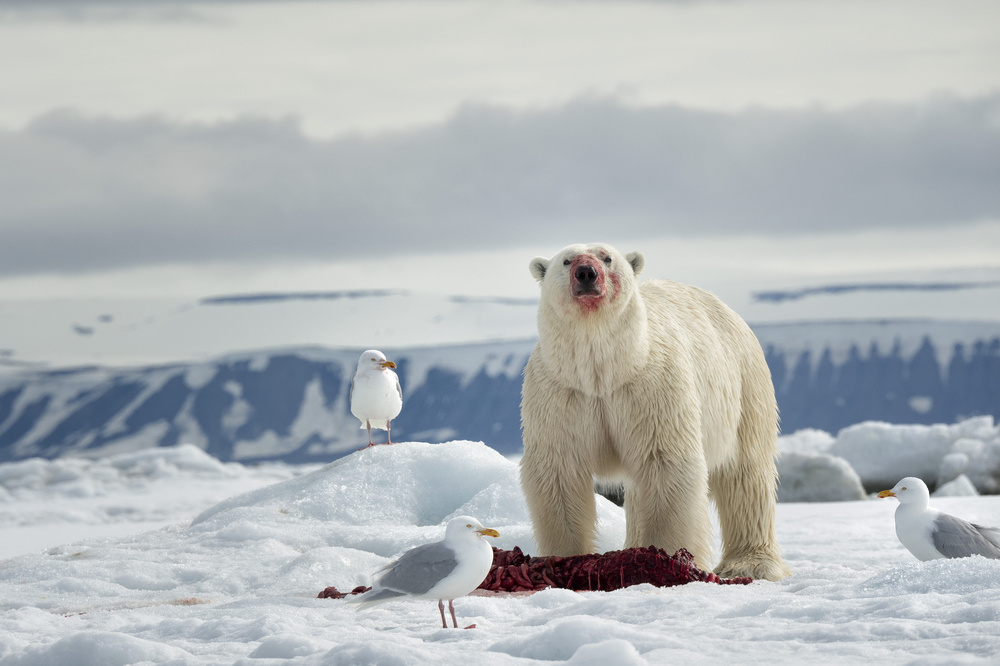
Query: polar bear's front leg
[
  {"x": 562, "y": 506},
  {"x": 561, "y": 435},
  {"x": 665, "y": 506}
]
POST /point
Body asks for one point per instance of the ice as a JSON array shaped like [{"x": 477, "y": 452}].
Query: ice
[
  {"x": 978, "y": 459},
  {"x": 807, "y": 440},
  {"x": 960, "y": 486},
  {"x": 817, "y": 477},
  {"x": 883, "y": 453},
  {"x": 235, "y": 581}
]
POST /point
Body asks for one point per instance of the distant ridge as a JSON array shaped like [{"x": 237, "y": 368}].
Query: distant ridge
[
  {"x": 499, "y": 300},
  {"x": 272, "y": 297},
  {"x": 249, "y": 299},
  {"x": 838, "y": 289}
]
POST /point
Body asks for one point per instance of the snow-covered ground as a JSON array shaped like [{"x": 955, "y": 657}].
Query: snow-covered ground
[
  {"x": 46, "y": 503},
  {"x": 237, "y": 582}
]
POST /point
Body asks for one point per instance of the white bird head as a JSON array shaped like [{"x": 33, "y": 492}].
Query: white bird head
[
  {"x": 373, "y": 359},
  {"x": 910, "y": 490},
  {"x": 464, "y": 527}
]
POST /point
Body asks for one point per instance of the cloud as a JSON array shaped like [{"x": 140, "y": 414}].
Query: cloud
[{"x": 82, "y": 193}]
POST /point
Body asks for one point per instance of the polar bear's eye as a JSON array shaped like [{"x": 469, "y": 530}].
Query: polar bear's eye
[
  {"x": 607, "y": 260},
  {"x": 565, "y": 262}
]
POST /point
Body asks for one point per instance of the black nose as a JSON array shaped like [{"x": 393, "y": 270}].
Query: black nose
[{"x": 586, "y": 274}]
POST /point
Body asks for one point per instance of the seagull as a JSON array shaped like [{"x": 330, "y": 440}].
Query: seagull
[
  {"x": 930, "y": 534},
  {"x": 376, "y": 397},
  {"x": 441, "y": 570}
]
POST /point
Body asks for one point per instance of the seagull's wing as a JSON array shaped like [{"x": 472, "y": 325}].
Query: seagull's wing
[
  {"x": 954, "y": 537},
  {"x": 375, "y": 596},
  {"x": 419, "y": 569},
  {"x": 350, "y": 397},
  {"x": 991, "y": 534},
  {"x": 399, "y": 389}
]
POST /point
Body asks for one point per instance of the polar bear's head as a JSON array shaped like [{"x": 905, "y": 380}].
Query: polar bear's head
[{"x": 587, "y": 278}]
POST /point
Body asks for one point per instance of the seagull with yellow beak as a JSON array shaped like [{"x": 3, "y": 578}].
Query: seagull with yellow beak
[
  {"x": 376, "y": 397},
  {"x": 930, "y": 534},
  {"x": 441, "y": 570}
]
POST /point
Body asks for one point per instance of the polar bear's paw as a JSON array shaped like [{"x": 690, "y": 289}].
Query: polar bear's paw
[{"x": 758, "y": 567}]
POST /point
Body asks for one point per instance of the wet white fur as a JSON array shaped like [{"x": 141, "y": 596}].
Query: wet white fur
[{"x": 662, "y": 386}]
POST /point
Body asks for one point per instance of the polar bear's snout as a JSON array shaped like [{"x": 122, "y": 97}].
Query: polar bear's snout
[{"x": 586, "y": 276}]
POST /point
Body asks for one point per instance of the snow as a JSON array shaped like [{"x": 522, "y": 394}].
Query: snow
[
  {"x": 235, "y": 581},
  {"x": 45, "y": 503}
]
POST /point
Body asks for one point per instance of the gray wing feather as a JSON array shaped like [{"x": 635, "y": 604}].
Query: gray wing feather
[
  {"x": 992, "y": 534},
  {"x": 399, "y": 389},
  {"x": 954, "y": 537},
  {"x": 372, "y": 597},
  {"x": 419, "y": 569},
  {"x": 350, "y": 397}
]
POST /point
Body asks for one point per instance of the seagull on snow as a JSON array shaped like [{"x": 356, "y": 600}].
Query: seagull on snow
[
  {"x": 930, "y": 534},
  {"x": 376, "y": 397},
  {"x": 441, "y": 570}
]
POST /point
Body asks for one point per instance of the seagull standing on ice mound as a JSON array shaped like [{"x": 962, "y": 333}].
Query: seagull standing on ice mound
[
  {"x": 376, "y": 397},
  {"x": 930, "y": 534},
  {"x": 441, "y": 570}
]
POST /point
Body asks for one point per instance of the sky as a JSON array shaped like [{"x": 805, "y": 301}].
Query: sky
[{"x": 202, "y": 148}]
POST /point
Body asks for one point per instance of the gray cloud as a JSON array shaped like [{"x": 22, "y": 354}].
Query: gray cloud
[{"x": 81, "y": 194}]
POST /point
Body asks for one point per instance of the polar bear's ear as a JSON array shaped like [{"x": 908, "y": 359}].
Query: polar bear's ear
[
  {"x": 538, "y": 267},
  {"x": 637, "y": 260}
]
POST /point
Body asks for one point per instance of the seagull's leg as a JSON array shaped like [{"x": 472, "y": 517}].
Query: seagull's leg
[
  {"x": 451, "y": 607},
  {"x": 444, "y": 623},
  {"x": 388, "y": 429},
  {"x": 370, "y": 442}
]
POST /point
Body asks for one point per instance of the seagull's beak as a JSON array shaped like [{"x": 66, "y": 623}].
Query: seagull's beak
[
  {"x": 486, "y": 531},
  {"x": 886, "y": 493},
  {"x": 387, "y": 364}
]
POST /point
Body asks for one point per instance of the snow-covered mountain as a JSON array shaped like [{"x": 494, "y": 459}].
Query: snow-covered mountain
[{"x": 291, "y": 403}]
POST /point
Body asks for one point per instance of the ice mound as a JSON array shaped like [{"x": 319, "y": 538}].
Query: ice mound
[
  {"x": 383, "y": 499},
  {"x": 817, "y": 477}
]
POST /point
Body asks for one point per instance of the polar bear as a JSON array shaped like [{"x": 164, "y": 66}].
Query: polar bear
[{"x": 658, "y": 384}]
